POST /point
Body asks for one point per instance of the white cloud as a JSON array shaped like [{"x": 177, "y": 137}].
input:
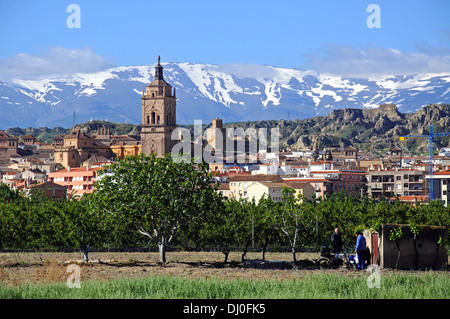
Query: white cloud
[
  {"x": 374, "y": 61},
  {"x": 55, "y": 61}
]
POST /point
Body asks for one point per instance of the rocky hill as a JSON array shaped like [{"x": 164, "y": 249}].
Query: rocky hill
[{"x": 372, "y": 130}]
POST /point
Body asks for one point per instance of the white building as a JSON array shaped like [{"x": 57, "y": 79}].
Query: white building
[{"x": 441, "y": 182}]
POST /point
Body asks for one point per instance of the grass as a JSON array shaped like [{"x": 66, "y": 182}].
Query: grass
[{"x": 421, "y": 285}]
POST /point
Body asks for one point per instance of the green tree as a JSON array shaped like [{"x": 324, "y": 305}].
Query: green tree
[
  {"x": 83, "y": 225},
  {"x": 289, "y": 218},
  {"x": 265, "y": 229},
  {"x": 156, "y": 196}
]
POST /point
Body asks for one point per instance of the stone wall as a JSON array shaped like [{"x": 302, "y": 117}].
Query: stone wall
[{"x": 421, "y": 252}]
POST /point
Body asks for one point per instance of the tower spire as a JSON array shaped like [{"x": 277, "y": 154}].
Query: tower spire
[{"x": 159, "y": 70}]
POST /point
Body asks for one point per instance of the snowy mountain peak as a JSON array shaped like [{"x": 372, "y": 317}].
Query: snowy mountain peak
[{"x": 233, "y": 92}]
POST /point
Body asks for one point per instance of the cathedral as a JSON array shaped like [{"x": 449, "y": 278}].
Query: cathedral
[{"x": 158, "y": 115}]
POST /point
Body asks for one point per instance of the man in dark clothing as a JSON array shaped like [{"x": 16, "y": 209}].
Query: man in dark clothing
[
  {"x": 360, "y": 249},
  {"x": 336, "y": 242}
]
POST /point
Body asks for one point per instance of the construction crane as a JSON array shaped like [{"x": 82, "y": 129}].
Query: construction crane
[{"x": 431, "y": 135}]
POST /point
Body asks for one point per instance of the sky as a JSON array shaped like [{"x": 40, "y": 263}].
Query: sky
[{"x": 346, "y": 37}]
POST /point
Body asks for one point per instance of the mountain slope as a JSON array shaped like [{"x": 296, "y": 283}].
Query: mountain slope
[
  {"x": 368, "y": 129},
  {"x": 238, "y": 93}
]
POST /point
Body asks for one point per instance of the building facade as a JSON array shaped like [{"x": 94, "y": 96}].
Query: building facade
[
  {"x": 396, "y": 182},
  {"x": 77, "y": 180},
  {"x": 441, "y": 188},
  {"x": 8, "y": 146}
]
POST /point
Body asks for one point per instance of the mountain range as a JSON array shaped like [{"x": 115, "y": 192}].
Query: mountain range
[{"x": 235, "y": 93}]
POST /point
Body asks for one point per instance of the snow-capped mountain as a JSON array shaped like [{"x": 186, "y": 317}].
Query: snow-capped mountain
[{"x": 204, "y": 91}]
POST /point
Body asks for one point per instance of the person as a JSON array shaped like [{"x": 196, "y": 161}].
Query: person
[
  {"x": 336, "y": 242},
  {"x": 360, "y": 249}
]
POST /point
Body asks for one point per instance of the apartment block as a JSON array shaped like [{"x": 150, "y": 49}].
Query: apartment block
[
  {"x": 78, "y": 180},
  {"x": 396, "y": 182},
  {"x": 441, "y": 189}
]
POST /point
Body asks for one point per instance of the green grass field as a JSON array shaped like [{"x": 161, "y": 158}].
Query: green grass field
[{"x": 420, "y": 285}]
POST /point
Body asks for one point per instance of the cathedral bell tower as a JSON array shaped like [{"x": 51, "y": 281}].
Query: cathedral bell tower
[{"x": 158, "y": 115}]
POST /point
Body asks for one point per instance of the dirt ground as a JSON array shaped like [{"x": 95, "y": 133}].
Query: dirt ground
[{"x": 45, "y": 267}]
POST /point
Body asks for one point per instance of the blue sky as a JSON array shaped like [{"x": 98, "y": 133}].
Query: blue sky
[{"x": 325, "y": 35}]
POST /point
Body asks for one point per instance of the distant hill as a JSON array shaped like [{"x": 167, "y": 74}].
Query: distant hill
[
  {"x": 372, "y": 130},
  {"x": 46, "y": 134}
]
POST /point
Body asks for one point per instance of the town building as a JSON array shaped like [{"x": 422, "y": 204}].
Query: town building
[
  {"x": 29, "y": 140},
  {"x": 48, "y": 189},
  {"x": 396, "y": 182},
  {"x": 79, "y": 180},
  {"x": 441, "y": 186},
  {"x": 305, "y": 189},
  {"x": 239, "y": 184},
  {"x": 78, "y": 147},
  {"x": 8, "y": 147},
  {"x": 125, "y": 145}
]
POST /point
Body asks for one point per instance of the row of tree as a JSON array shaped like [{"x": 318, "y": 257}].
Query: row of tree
[{"x": 142, "y": 201}]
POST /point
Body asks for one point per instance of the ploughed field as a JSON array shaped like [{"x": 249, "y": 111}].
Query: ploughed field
[{"x": 50, "y": 267}]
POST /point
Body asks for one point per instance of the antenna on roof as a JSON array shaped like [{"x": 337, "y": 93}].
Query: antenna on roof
[{"x": 74, "y": 118}]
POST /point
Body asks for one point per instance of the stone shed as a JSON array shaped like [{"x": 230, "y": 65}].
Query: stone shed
[{"x": 422, "y": 251}]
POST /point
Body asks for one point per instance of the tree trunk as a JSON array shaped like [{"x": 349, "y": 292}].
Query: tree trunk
[
  {"x": 85, "y": 250},
  {"x": 226, "y": 252},
  {"x": 293, "y": 253},
  {"x": 245, "y": 249},
  {"x": 294, "y": 243},
  {"x": 162, "y": 251},
  {"x": 264, "y": 252}
]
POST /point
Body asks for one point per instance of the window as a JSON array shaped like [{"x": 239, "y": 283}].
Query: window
[
  {"x": 444, "y": 192},
  {"x": 398, "y": 178},
  {"x": 444, "y": 182}
]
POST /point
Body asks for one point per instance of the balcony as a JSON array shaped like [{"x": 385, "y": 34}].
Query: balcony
[
  {"x": 376, "y": 186},
  {"x": 388, "y": 179}
]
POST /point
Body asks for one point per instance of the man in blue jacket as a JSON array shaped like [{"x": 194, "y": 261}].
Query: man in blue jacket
[{"x": 360, "y": 247}]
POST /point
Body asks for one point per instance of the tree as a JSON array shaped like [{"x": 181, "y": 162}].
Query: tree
[
  {"x": 289, "y": 218},
  {"x": 266, "y": 232},
  {"x": 84, "y": 224},
  {"x": 156, "y": 196}
]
